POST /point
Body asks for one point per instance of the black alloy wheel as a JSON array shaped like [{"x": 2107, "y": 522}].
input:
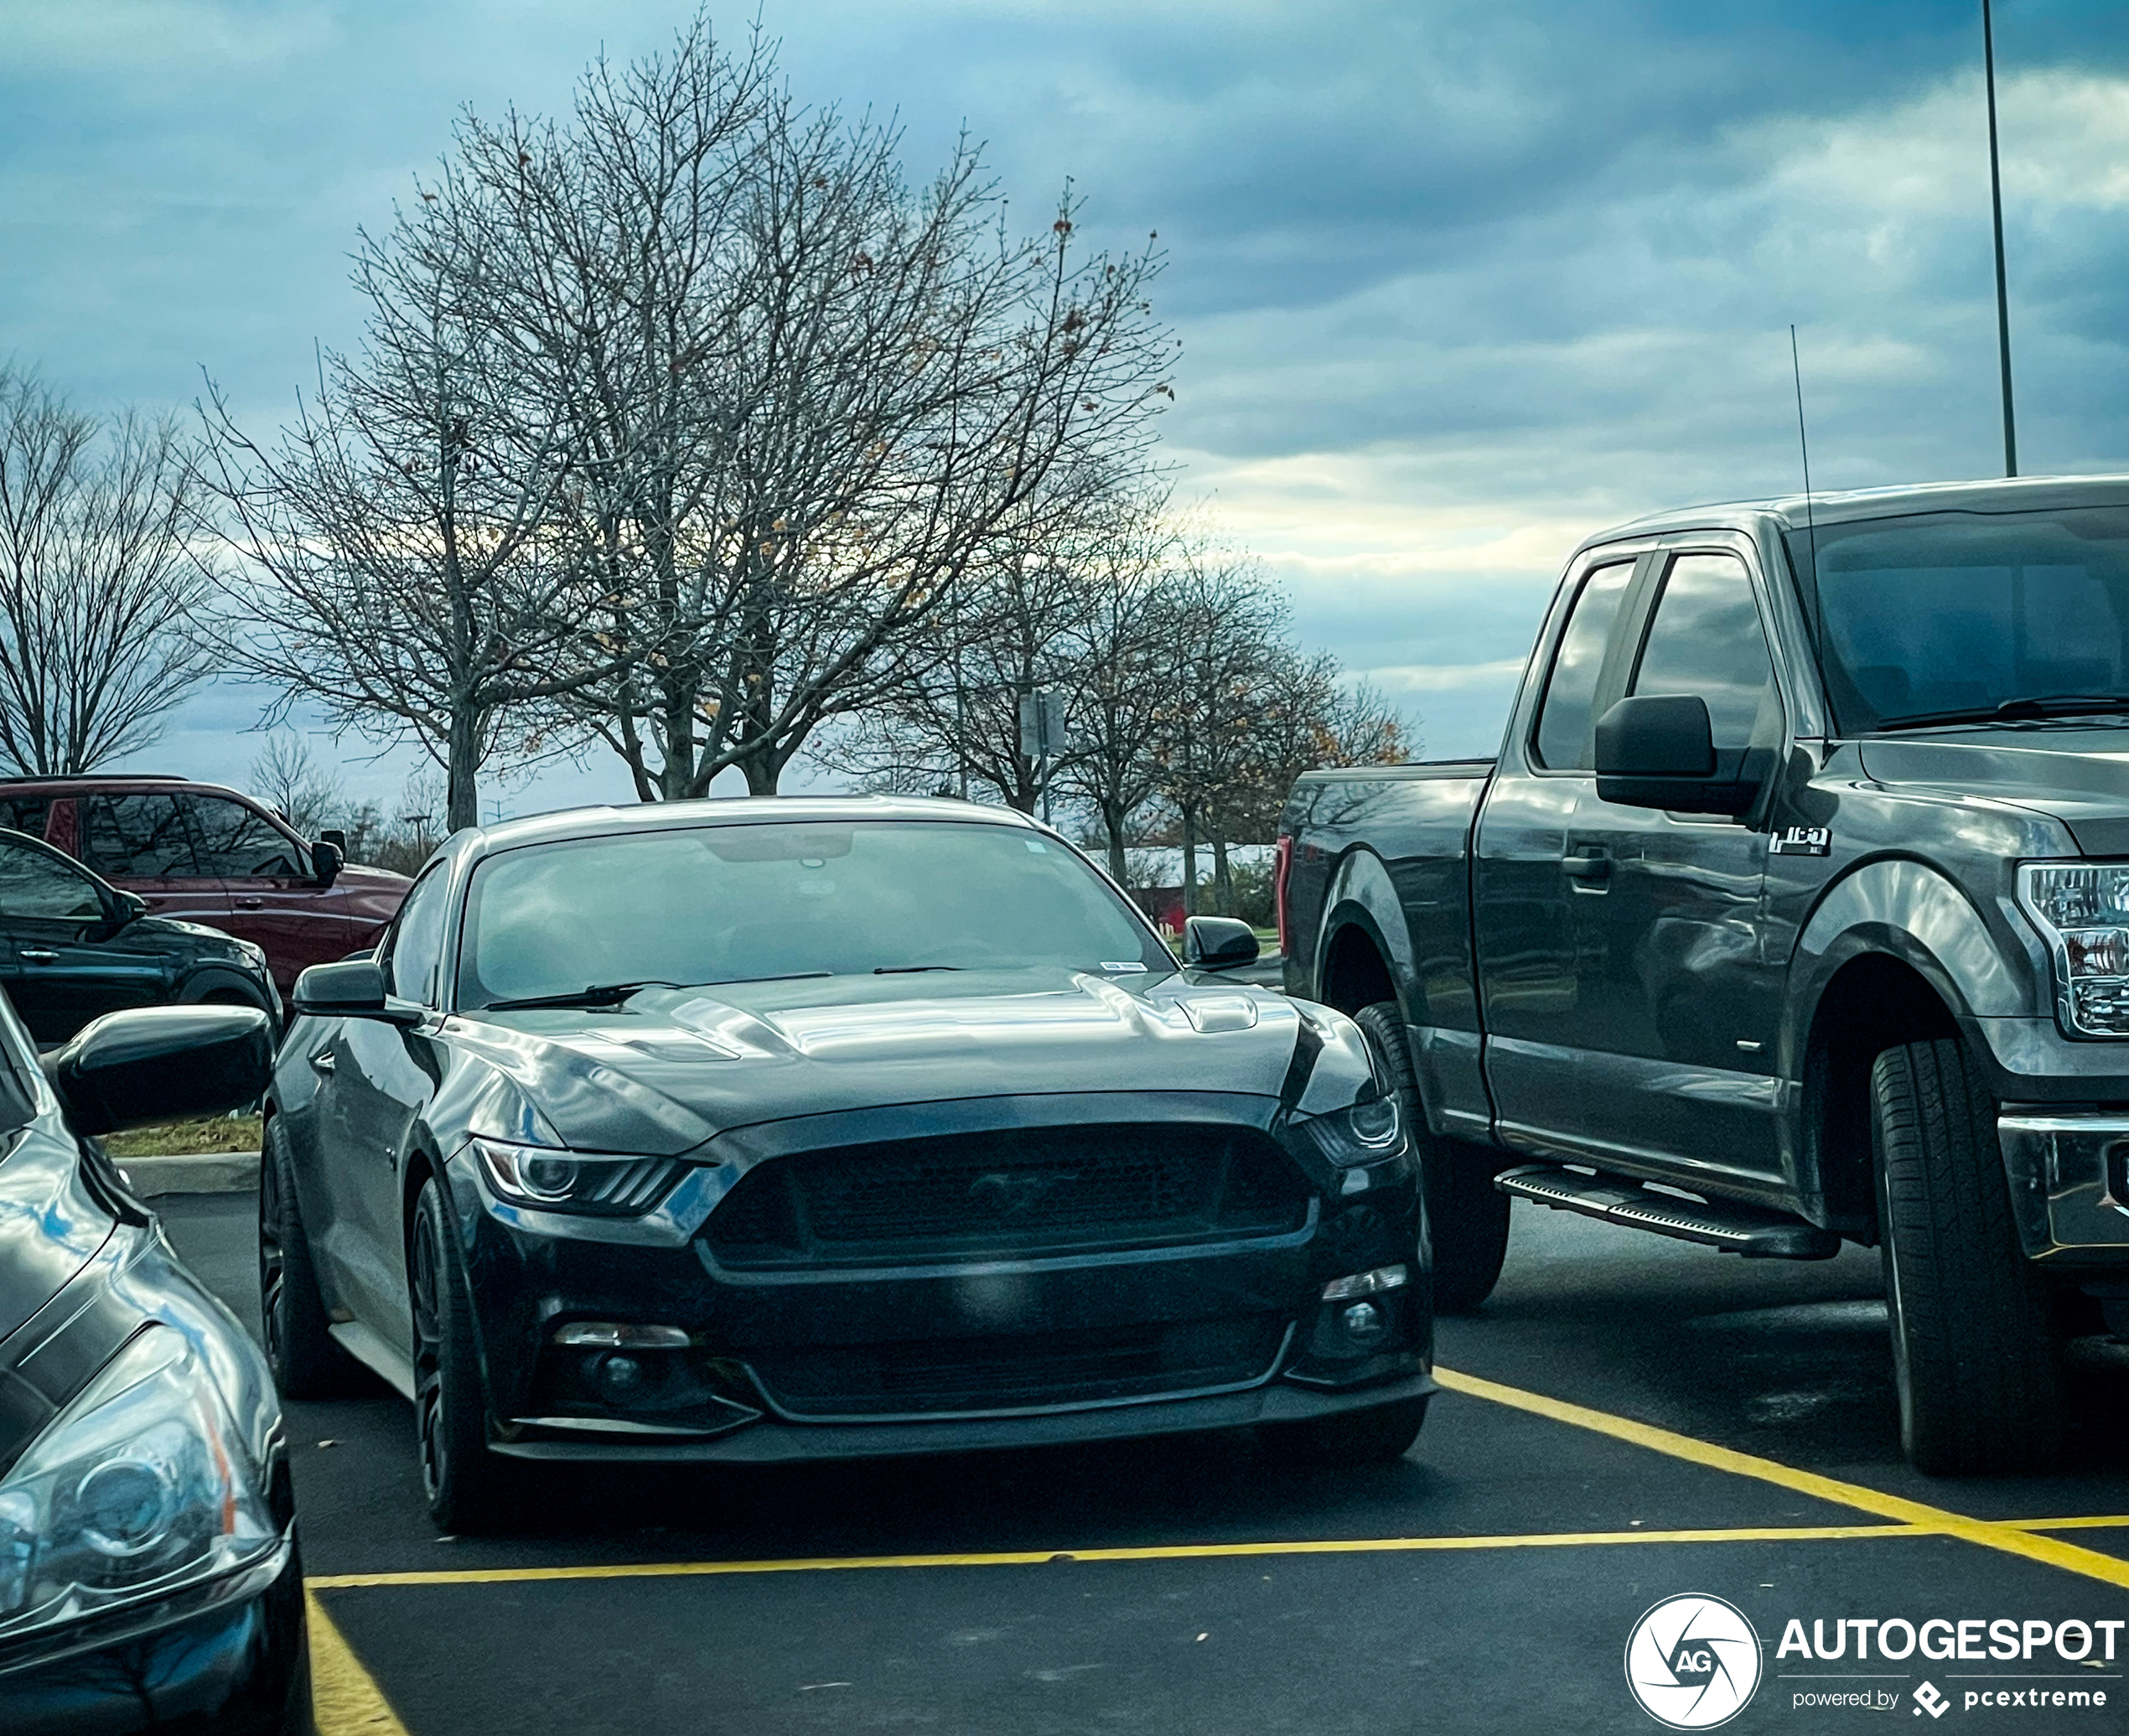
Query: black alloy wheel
[
  {"x": 1976, "y": 1358},
  {"x": 470, "y": 1489},
  {"x": 1381, "y": 1436},
  {"x": 1467, "y": 1215},
  {"x": 306, "y": 1362}
]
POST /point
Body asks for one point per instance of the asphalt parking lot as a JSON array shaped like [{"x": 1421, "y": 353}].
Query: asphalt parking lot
[{"x": 1629, "y": 1418}]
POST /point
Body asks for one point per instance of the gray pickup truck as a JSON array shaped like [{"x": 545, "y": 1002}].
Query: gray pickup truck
[{"x": 1793, "y": 911}]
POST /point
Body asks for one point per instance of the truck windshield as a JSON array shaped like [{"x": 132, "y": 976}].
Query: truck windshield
[
  {"x": 1965, "y": 613},
  {"x": 734, "y": 904}
]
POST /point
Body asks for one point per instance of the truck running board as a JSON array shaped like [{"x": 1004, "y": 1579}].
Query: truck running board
[{"x": 1734, "y": 1229}]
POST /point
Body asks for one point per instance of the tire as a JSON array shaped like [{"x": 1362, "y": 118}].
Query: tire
[
  {"x": 469, "y": 1489},
  {"x": 1467, "y": 1215},
  {"x": 1381, "y": 1436},
  {"x": 306, "y": 1362},
  {"x": 1975, "y": 1359}
]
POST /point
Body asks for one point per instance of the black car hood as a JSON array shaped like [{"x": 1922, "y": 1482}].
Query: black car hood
[
  {"x": 678, "y": 1066},
  {"x": 2077, "y": 772},
  {"x": 50, "y": 1226}
]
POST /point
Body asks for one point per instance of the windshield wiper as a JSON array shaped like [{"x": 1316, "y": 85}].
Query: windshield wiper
[
  {"x": 599, "y": 994},
  {"x": 774, "y": 977},
  {"x": 2047, "y": 705},
  {"x": 911, "y": 970}
]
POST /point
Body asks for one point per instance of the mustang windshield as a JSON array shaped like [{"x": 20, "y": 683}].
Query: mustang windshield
[
  {"x": 747, "y": 903},
  {"x": 1969, "y": 612}
]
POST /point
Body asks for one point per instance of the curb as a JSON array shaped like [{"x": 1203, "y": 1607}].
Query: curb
[{"x": 200, "y": 1173}]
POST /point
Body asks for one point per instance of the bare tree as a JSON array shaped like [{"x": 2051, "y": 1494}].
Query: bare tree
[
  {"x": 805, "y": 396},
  {"x": 401, "y": 567},
  {"x": 287, "y": 776},
  {"x": 99, "y": 580}
]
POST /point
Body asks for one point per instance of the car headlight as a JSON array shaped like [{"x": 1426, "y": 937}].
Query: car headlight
[
  {"x": 140, "y": 1489},
  {"x": 2082, "y": 910},
  {"x": 552, "y": 1180},
  {"x": 1363, "y": 1133}
]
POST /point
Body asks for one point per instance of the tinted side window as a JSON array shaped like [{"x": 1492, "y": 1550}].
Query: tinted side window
[
  {"x": 25, "y": 813},
  {"x": 143, "y": 837},
  {"x": 416, "y": 941},
  {"x": 1706, "y": 639},
  {"x": 1567, "y": 731},
  {"x": 238, "y": 843},
  {"x": 38, "y": 888}
]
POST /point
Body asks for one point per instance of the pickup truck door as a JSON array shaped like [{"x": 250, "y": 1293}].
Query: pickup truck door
[
  {"x": 1679, "y": 999},
  {"x": 1526, "y": 892}
]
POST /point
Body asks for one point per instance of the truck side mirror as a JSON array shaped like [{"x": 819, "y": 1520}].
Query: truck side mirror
[
  {"x": 1658, "y": 751},
  {"x": 1218, "y": 943},
  {"x": 327, "y": 858}
]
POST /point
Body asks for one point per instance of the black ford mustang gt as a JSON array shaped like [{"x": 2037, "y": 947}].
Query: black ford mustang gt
[{"x": 796, "y": 1129}]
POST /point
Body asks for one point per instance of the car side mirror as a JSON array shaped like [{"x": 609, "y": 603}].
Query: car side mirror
[
  {"x": 353, "y": 988},
  {"x": 160, "y": 1064},
  {"x": 326, "y": 859},
  {"x": 126, "y": 908},
  {"x": 1658, "y": 751},
  {"x": 1218, "y": 943}
]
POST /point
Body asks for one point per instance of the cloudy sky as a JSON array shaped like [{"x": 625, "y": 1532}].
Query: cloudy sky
[{"x": 1457, "y": 283}]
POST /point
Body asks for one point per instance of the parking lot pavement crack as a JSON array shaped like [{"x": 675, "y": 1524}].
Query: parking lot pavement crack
[{"x": 1919, "y": 1515}]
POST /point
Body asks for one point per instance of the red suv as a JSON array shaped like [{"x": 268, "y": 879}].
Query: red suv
[{"x": 202, "y": 853}]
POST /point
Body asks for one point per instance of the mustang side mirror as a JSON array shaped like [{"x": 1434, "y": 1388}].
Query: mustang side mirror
[
  {"x": 160, "y": 1064},
  {"x": 1218, "y": 943},
  {"x": 353, "y": 988},
  {"x": 127, "y": 908},
  {"x": 326, "y": 859},
  {"x": 1658, "y": 751}
]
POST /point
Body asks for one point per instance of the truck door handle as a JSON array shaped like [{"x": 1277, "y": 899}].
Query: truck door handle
[
  {"x": 321, "y": 1062},
  {"x": 40, "y": 955},
  {"x": 251, "y": 903},
  {"x": 1594, "y": 867}
]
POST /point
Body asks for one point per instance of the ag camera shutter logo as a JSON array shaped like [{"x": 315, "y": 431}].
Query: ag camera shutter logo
[{"x": 1692, "y": 1662}]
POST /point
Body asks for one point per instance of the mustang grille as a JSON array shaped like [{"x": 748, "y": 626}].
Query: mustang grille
[
  {"x": 936, "y": 1378},
  {"x": 1012, "y": 1192}
]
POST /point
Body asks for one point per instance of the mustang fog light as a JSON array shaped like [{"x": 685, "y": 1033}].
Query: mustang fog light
[
  {"x": 1364, "y": 1322},
  {"x": 2082, "y": 911},
  {"x": 618, "y": 1377},
  {"x": 1365, "y": 1283}
]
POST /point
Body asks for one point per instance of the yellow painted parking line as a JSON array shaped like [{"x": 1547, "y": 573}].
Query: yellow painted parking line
[
  {"x": 2081, "y": 1521},
  {"x": 1151, "y": 1551},
  {"x": 1989, "y": 1534},
  {"x": 346, "y": 1700}
]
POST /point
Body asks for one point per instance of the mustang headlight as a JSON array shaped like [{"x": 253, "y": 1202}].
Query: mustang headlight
[
  {"x": 552, "y": 1180},
  {"x": 140, "y": 1489},
  {"x": 1364, "y": 1132},
  {"x": 2082, "y": 909}
]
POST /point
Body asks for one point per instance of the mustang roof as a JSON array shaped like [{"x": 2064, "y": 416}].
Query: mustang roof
[{"x": 609, "y": 822}]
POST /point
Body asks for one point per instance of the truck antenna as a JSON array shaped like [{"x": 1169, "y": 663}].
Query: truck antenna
[{"x": 1810, "y": 525}]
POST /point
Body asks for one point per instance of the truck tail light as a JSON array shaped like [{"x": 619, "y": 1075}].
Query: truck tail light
[{"x": 1282, "y": 867}]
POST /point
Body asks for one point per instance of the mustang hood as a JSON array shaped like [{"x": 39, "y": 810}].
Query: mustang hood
[
  {"x": 2078, "y": 773},
  {"x": 677, "y": 1066}
]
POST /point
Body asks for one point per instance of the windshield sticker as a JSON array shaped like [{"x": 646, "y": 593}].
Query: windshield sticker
[{"x": 1123, "y": 967}]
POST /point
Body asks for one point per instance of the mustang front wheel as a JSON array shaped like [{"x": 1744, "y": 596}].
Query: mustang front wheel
[{"x": 469, "y": 1489}]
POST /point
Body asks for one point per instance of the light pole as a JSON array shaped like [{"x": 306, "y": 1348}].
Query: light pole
[{"x": 1995, "y": 208}]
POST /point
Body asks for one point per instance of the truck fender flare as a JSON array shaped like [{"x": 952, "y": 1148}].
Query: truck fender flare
[
  {"x": 1361, "y": 896},
  {"x": 1904, "y": 910}
]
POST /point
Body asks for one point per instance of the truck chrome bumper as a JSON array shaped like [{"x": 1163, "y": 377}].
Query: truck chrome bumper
[{"x": 2065, "y": 1171}]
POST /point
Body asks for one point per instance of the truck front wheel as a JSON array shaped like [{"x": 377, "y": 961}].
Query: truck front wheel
[
  {"x": 1467, "y": 1215},
  {"x": 1975, "y": 1354}
]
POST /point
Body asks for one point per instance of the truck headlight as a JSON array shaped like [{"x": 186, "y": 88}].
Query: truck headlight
[
  {"x": 2082, "y": 910},
  {"x": 140, "y": 1489}
]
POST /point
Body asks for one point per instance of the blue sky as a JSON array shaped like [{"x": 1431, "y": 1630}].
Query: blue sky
[{"x": 1457, "y": 283}]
